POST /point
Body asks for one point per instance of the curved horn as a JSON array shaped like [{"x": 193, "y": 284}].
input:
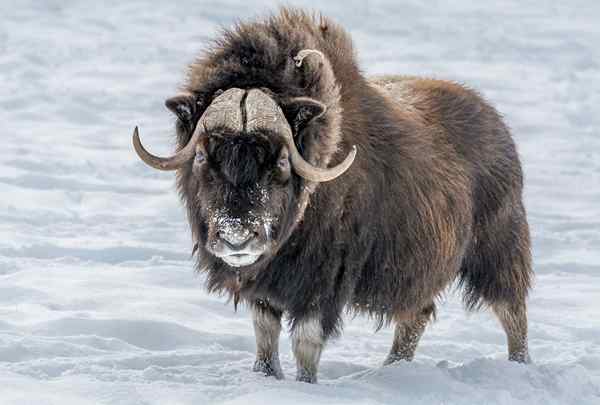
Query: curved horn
[
  {"x": 223, "y": 112},
  {"x": 314, "y": 173},
  {"x": 299, "y": 58},
  {"x": 263, "y": 112},
  {"x": 171, "y": 163}
]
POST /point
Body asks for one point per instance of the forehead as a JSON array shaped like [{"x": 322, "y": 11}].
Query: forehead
[
  {"x": 223, "y": 141},
  {"x": 241, "y": 158}
]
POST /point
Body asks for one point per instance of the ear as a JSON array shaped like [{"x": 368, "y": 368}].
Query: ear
[
  {"x": 183, "y": 106},
  {"x": 300, "y": 111}
]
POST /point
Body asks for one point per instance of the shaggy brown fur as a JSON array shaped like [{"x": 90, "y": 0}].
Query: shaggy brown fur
[{"x": 433, "y": 196}]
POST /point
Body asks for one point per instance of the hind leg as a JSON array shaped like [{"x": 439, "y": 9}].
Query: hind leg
[
  {"x": 407, "y": 335},
  {"x": 513, "y": 318},
  {"x": 499, "y": 274}
]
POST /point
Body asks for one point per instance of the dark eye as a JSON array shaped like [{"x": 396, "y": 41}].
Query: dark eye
[
  {"x": 283, "y": 163},
  {"x": 282, "y": 168},
  {"x": 199, "y": 158}
]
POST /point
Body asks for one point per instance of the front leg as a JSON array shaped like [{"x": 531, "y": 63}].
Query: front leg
[
  {"x": 308, "y": 341},
  {"x": 267, "y": 327}
]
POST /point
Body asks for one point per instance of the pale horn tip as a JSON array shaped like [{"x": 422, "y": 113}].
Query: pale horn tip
[
  {"x": 136, "y": 135},
  {"x": 137, "y": 144},
  {"x": 351, "y": 156}
]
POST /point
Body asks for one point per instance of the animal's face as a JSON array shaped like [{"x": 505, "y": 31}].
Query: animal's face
[
  {"x": 243, "y": 184},
  {"x": 240, "y": 172}
]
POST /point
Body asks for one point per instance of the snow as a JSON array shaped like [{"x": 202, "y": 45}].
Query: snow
[{"x": 98, "y": 300}]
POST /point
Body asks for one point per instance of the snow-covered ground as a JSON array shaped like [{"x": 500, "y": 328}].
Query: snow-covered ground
[{"x": 98, "y": 300}]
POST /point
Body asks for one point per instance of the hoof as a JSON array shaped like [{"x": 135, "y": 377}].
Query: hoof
[
  {"x": 520, "y": 358},
  {"x": 307, "y": 376},
  {"x": 268, "y": 369},
  {"x": 310, "y": 379},
  {"x": 394, "y": 358}
]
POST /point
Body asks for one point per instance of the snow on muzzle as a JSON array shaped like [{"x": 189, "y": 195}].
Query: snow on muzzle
[{"x": 239, "y": 243}]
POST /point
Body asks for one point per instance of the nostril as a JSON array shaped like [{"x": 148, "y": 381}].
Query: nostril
[{"x": 236, "y": 240}]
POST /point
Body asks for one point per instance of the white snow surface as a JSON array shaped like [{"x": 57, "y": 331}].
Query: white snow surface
[{"x": 99, "y": 303}]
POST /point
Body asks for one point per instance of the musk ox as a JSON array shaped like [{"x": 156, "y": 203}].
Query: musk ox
[{"x": 311, "y": 190}]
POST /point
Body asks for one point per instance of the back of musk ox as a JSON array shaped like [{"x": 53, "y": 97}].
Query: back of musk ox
[{"x": 311, "y": 190}]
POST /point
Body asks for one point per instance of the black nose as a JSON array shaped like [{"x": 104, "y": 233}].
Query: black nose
[{"x": 237, "y": 240}]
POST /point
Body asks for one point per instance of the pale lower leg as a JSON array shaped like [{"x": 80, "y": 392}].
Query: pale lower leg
[
  {"x": 407, "y": 335},
  {"x": 513, "y": 318},
  {"x": 307, "y": 343},
  {"x": 267, "y": 327}
]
